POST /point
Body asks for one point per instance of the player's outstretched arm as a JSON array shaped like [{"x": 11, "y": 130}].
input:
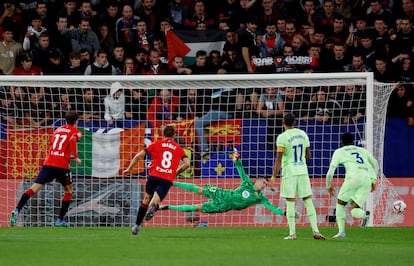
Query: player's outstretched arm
[
  {"x": 134, "y": 161},
  {"x": 273, "y": 208}
]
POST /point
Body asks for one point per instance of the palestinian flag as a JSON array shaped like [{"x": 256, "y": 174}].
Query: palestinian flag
[{"x": 196, "y": 40}]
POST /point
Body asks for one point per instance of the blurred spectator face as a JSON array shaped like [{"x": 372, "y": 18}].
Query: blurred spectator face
[
  {"x": 350, "y": 89},
  {"x": 70, "y": 6},
  {"x": 379, "y": 25},
  {"x": 158, "y": 45},
  {"x": 406, "y": 64},
  {"x": 7, "y": 36},
  {"x": 199, "y": 8},
  {"x": 178, "y": 62},
  {"x": 85, "y": 56},
  {"x": 201, "y": 26},
  {"x": 400, "y": 91},
  {"x": 296, "y": 43},
  {"x": 43, "y": 42},
  {"x": 271, "y": 31},
  {"x": 192, "y": 94},
  {"x": 361, "y": 25},
  {"x": 271, "y": 91},
  {"x": 281, "y": 26},
  {"x": 339, "y": 51},
  {"x": 147, "y": 4},
  {"x": 290, "y": 29},
  {"x": 27, "y": 65},
  {"x": 267, "y": 4},
  {"x": 41, "y": 9},
  {"x": 36, "y": 24},
  {"x": 112, "y": 11},
  {"x": 215, "y": 58},
  {"x": 103, "y": 31},
  {"x": 405, "y": 26},
  {"x": 375, "y": 7},
  {"x": 201, "y": 60},
  {"x": 328, "y": 7},
  {"x": 62, "y": 23},
  {"x": 85, "y": 8},
  {"x": 338, "y": 25},
  {"x": 314, "y": 51},
  {"x": 232, "y": 55},
  {"x": 165, "y": 26},
  {"x": 119, "y": 53},
  {"x": 380, "y": 65},
  {"x": 84, "y": 26},
  {"x": 88, "y": 95},
  {"x": 244, "y": 3},
  {"x": 142, "y": 27},
  {"x": 251, "y": 26},
  {"x": 290, "y": 92},
  {"x": 75, "y": 61},
  {"x": 407, "y": 6},
  {"x": 101, "y": 59},
  {"x": 223, "y": 25},
  {"x": 366, "y": 42},
  {"x": 357, "y": 62},
  {"x": 127, "y": 12},
  {"x": 319, "y": 38},
  {"x": 141, "y": 57},
  {"x": 321, "y": 96},
  {"x": 165, "y": 95},
  {"x": 287, "y": 51},
  {"x": 154, "y": 58},
  {"x": 309, "y": 6},
  {"x": 231, "y": 37}
]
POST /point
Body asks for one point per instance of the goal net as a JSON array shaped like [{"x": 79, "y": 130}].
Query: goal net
[{"x": 213, "y": 115}]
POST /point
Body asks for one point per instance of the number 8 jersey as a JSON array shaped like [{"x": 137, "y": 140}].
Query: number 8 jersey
[
  {"x": 166, "y": 156},
  {"x": 63, "y": 144}
]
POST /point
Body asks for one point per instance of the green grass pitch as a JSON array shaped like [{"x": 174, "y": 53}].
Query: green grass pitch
[{"x": 172, "y": 246}]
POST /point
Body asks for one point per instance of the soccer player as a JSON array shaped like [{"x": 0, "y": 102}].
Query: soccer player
[
  {"x": 223, "y": 200},
  {"x": 56, "y": 166},
  {"x": 293, "y": 149},
  {"x": 361, "y": 170},
  {"x": 166, "y": 155}
]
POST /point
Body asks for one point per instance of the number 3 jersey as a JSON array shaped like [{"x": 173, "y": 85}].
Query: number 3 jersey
[
  {"x": 63, "y": 144},
  {"x": 166, "y": 156}
]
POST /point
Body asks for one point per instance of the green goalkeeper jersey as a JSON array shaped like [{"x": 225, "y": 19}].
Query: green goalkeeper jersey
[
  {"x": 240, "y": 198},
  {"x": 294, "y": 141},
  {"x": 358, "y": 163}
]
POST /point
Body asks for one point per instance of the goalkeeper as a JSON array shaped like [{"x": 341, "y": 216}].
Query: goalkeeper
[{"x": 223, "y": 200}]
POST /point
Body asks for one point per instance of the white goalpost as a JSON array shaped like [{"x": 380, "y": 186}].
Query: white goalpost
[{"x": 326, "y": 105}]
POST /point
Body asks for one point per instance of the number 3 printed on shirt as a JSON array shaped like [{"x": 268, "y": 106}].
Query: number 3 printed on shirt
[{"x": 358, "y": 158}]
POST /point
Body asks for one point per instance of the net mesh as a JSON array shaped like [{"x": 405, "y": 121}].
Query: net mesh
[{"x": 326, "y": 105}]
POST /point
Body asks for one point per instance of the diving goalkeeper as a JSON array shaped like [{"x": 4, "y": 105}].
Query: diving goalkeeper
[{"x": 223, "y": 200}]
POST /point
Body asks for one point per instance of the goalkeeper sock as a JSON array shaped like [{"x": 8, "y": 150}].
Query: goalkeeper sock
[
  {"x": 183, "y": 208},
  {"x": 290, "y": 216},
  {"x": 187, "y": 186},
  {"x": 340, "y": 217},
  {"x": 141, "y": 213},
  {"x": 311, "y": 212},
  {"x": 358, "y": 213}
]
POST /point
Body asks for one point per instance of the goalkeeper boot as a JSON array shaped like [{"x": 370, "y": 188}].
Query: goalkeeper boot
[
  {"x": 13, "y": 217},
  {"x": 135, "y": 230},
  {"x": 61, "y": 223},
  {"x": 163, "y": 207},
  {"x": 290, "y": 237},
  {"x": 236, "y": 155},
  {"x": 339, "y": 235},
  {"x": 318, "y": 236},
  {"x": 365, "y": 220},
  {"x": 151, "y": 212}
]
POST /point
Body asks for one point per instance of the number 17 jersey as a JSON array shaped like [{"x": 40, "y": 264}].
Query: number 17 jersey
[{"x": 293, "y": 142}]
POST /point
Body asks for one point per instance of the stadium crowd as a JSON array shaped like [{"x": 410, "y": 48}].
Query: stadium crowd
[{"x": 128, "y": 37}]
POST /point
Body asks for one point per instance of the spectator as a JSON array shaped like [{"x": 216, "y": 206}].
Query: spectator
[
  {"x": 129, "y": 67},
  {"x": 214, "y": 60},
  {"x": 89, "y": 107},
  {"x": 381, "y": 37},
  {"x": 299, "y": 46},
  {"x": 247, "y": 38},
  {"x": 10, "y": 17},
  {"x": 200, "y": 65},
  {"x": 115, "y": 105},
  {"x": 382, "y": 71},
  {"x": 83, "y": 38},
  {"x": 353, "y": 104},
  {"x": 177, "y": 12},
  {"x": 322, "y": 110},
  {"x": 158, "y": 44},
  {"x": 290, "y": 32},
  {"x": 228, "y": 11},
  {"x": 147, "y": 13},
  {"x": 339, "y": 32},
  {"x": 126, "y": 27},
  {"x": 7, "y": 108},
  {"x": 283, "y": 64},
  {"x": 377, "y": 11},
  {"x": 271, "y": 107},
  {"x": 405, "y": 9},
  {"x": 307, "y": 14},
  {"x": 199, "y": 16},
  {"x": 144, "y": 37},
  {"x": 86, "y": 12},
  {"x": 222, "y": 108},
  {"x": 163, "y": 109},
  {"x": 154, "y": 66},
  {"x": 69, "y": 10},
  {"x": 267, "y": 14},
  {"x": 232, "y": 41},
  {"x": 109, "y": 17},
  {"x": 33, "y": 32},
  {"x": 38, "y": 110},
  {"x": 62, "y": 103},
  {"x": 179, "y": 68},
  {"x": 272, "y": 41},
  {"x": 141, "y": 60},
  {"x": 106, "y": 40},
  {"x": 26, "y": 66},
  {"x": 10, "y": 51},
  {"x": 401, "y": 103},
  {"x": 63, "y": 42},
  {"x": 337, "y": 61},
  {"x": 191, "y": 106},
  {"x": 402, "y": 42},
  {"x": 136, "y": 105},
  {"x": 101, "y": 66},
  {"x": 343, "y": 8},
  {"x": 74, "y": 66},
  {"x": 247, "y": 8},
  {"x": 41, "y": 10},
  {"x": 86, "y": 57},
  {"x": 357, "y": 64},
  {"x": 118, "y": 58},
  {"x": 324, "y": 18},
  {"x": 42, "y": 54},
  {"x": 406, "y": 70}
]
